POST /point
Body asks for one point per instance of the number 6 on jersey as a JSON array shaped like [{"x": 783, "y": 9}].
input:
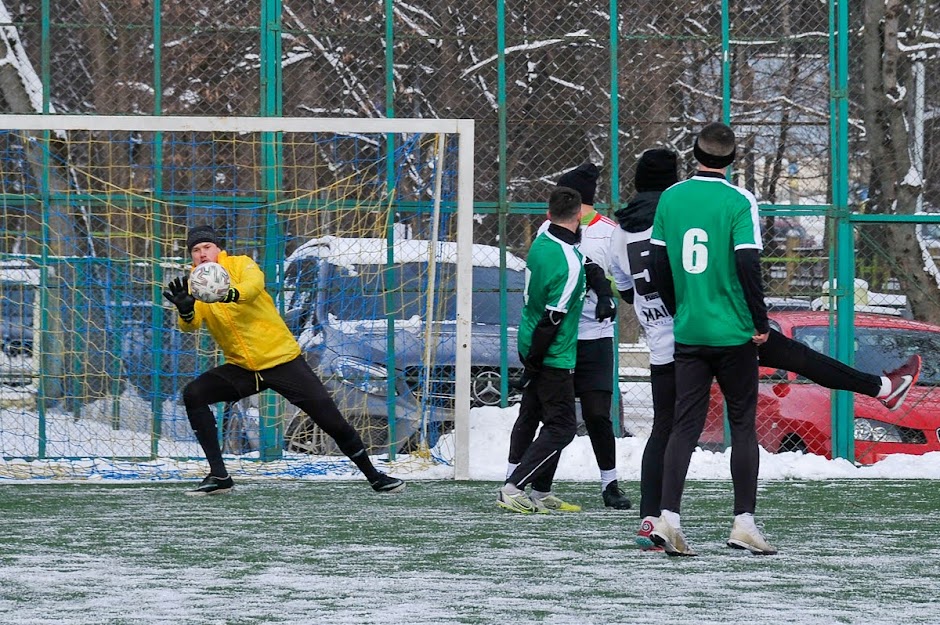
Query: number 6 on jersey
[{"x": 694, "y": 250}]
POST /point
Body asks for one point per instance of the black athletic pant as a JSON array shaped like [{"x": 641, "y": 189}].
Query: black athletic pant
[
  {"x": 294, "y": 380},
  {"x": 548, "y": 399},
  {"x": 663, "y": 387},
  {"x": 778, "y": 352},
  {"x": 594, "y": 386},
  {"x": 735, "y": 369}
]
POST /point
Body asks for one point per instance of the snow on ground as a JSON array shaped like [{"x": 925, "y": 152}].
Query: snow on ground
[{"x": 91, "y": 443}]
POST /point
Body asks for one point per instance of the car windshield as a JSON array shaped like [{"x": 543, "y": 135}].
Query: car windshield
[
  {"x": 882, "y": 349},
  {"x": 16, "y": 304},
  {"x": 356, "y": 293}
]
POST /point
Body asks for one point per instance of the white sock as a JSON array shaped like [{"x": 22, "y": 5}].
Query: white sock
[
  {"x": 608, "y": 476},
  {"x": 885, "y": 387},
  {"x": 510, "y": 489},
  {"x": 672, "y": 518},
  {"x": 745, "y": 518},
  {"x": 537, "y": 494},
  {"x": 510, "y": 467}
]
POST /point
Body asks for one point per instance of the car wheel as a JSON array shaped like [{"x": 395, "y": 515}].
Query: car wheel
[
  {"x": 792, "y": 442},
  {"x": 240, "y": 428},
  {"x": 304, "y": 436}
]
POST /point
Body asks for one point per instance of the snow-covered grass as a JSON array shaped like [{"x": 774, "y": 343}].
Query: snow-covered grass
[
  {"x": 305, "y": 541},
  {"x": 301, "y": 552}
]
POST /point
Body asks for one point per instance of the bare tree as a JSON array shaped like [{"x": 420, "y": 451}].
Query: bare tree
[{"x": 892, "y": 189}]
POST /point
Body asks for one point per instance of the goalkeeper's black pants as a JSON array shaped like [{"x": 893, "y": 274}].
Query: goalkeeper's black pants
[{"x": 293, "y": 380}]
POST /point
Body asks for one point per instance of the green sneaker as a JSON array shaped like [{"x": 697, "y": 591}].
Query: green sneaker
[
  {"x": 516, "y": 502},
  {"x": 554, "y": 503}
]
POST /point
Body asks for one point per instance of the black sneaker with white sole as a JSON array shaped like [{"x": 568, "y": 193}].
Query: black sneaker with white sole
[
  {"x": 213, "y": 485},
  {"x": 387, "y": 484}
]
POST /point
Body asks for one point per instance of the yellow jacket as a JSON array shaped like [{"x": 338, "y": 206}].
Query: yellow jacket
[{"x": 250, "y": 332}]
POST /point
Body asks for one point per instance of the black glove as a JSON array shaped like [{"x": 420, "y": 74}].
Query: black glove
[
  {"x": 231, "y": 296},
  {"x": 178, "y": 294},
  {"x": 606, "y": 308},
  {"x": 529, "y": 373}
]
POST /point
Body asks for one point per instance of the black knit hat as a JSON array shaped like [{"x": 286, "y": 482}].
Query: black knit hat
[
  {"x": 657, "y": 170},
  {"x": 202, "y": 234},
  {"x": 582, "y": 179}
]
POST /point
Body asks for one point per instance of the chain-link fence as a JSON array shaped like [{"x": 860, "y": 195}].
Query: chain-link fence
[{"x": 834, "y": 106}]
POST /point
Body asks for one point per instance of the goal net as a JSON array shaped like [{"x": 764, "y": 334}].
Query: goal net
[{"x": 363, "y": 228}]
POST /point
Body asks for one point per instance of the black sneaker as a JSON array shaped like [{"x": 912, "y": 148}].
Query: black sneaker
[
  {"x": 614, "y": 497},
  {"x": 213, "y": 485},
  {"x": 387, "y": 484}
]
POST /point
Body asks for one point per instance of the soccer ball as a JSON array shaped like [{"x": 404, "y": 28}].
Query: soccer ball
[{"x": 209, "y": 282}]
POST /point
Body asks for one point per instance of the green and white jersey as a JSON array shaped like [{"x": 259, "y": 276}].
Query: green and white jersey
[
  {"x": 554, "y": 280},
  {"x": 701, "y": 222}
]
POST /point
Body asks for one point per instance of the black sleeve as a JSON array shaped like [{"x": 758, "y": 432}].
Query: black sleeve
[
  {"x": 747, "y": 262},
  {"x": 542, "y": 337},
  {"x": 596, "y": 279},
  {"x": 627, "y": 295},
  {"x": 661, "y": 277}
]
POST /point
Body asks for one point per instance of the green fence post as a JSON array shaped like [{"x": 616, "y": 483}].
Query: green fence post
[
  {"x": 270, "y": 435},
  {"x": 843, "y": 422},
  {"x": 157, "y": 315},
  {"x": 388, "y": 275},
  {"x": 614, "y": 168},
  {"x": 502, "y": 206}
]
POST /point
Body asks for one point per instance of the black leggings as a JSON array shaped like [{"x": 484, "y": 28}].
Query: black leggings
[
  {"x": 735, "y": 369},
  {"x": 781, "y": 352},
  {"x": 294, "y": 380}
]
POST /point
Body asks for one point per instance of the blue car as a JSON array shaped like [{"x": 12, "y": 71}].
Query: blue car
[{"x": 338, "y": 292}]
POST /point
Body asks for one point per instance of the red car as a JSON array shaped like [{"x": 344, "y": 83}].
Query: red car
[{"x": 793, "y": 414}]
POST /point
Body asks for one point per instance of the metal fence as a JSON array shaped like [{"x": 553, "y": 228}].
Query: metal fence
[{"x": 834, "y": 105}]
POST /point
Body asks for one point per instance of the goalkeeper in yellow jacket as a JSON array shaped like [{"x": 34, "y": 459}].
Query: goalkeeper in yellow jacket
[{"x": 260, "y": 353}]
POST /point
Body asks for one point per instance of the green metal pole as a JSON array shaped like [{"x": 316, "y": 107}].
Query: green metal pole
[
  {"x": 388, "y": 276},
  {"x": 271, "y": 164},
  {"x": 614, "y": 169},
  {"x": 726, "y": 118},
  {"x": 157, "y": 312},
  {"x": 42, "y": 391},
  {"x": 843, "y": 422},
  {"x": 725, "y": 62},
  {"x": 502, "y": 204}
]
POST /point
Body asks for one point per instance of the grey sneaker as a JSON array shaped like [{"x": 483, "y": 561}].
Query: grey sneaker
[
  {"x": 746, "y": 535},
  {"x": 670, "y": 538},
  {"x": 212, "y": 485},
  {"x": 515, "y": 502}
]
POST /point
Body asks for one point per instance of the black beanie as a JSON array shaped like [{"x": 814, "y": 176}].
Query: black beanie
[
  {"x": 202, "y": 234},
  {"x": 657, "y": 170},
  {"x": 582, "y": 179}
]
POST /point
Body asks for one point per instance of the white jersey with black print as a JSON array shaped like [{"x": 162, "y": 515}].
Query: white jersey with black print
[
  {"x": 595, "y": 244},
  {"x": 629, "y": 265}
]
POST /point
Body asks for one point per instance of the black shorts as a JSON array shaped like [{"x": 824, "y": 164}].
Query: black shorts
[{"x": 594, "y": 369}]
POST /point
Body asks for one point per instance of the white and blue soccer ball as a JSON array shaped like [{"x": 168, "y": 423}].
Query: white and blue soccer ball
[{"x": 209, "y": 282}]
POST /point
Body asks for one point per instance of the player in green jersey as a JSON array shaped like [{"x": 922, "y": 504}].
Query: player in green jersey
[
  {"x": 548, "y": 342},
  {"x": 706, "y": 246}
]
